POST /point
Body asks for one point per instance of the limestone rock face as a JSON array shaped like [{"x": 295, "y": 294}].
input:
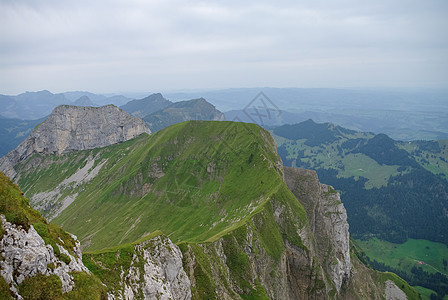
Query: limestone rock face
[
  {"x": 163, "y": 274},
  {"x": 328, "y": 221},
  {"x": 24, "y": 254},
  {"x": 71, "y": 128}
]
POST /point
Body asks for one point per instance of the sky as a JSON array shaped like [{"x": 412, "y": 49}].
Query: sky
[{"x": 109, "y": 46}]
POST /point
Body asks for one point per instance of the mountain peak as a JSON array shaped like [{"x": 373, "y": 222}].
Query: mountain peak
[
  {"x": 146, "y": 106},
  {"x": 84, "y": 101},
  {"x": 195, "y": 109},
  {"x": 71, "y": 128}
]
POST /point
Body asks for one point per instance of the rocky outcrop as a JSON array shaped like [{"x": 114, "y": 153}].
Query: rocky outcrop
[
  {"x": 71, "y": 128},
  {"x": 328, "y": 222},
  {"x": 281, "y": 255},
  {"x": 393, "y": 292},
  {"x": 155, "y": 272},
  {"x": 24, "y": 254}
]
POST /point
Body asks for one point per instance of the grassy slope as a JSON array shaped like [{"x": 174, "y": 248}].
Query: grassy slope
[
  {"x": 108, "y": 263},
  {"x": 408, "y": 254},
  {"x": 212, "y": 180},
  {"x": 432, "y": 155}
]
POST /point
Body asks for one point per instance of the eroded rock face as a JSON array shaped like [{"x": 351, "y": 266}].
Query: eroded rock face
[
  {"x": 25, "y": 254},
  {"x": 71, "y": 128},
  {"x": 163, "y": 274},
  {"x": 328, "y": 221}
]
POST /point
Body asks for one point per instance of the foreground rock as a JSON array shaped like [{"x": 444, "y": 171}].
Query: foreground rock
[
  {"x": 38, "y": 260},
  {"x": 25, "y": 254},
  {"x": 151, "y": 269}
]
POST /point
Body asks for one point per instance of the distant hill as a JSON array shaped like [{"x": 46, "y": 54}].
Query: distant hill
[
  {"x": 30, "y": 105},
  {"x": 100, "y": 100},
  {"x": 399, "y": 128},
  {"x": 146, "y": 106},
  {"x": 392, "y": 191},
  {"x": 157, "y": 111},
  {"x": 196, "y": 109}
]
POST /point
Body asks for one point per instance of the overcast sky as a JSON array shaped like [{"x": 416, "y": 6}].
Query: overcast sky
[{"x": 147, "y": 45}]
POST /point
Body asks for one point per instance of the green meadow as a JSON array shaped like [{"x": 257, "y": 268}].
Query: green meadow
[{"x": 431, "y": 257}]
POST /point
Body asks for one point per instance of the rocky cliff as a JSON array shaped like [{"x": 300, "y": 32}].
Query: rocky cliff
[
  {"x": 328, "y": 222},
  {"x": 41, "y": 261},
  {"x": 278, "y": 254},
  {"x": 71, "y": 128}
]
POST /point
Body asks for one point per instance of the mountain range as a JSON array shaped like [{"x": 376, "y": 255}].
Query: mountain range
[
  {"x": 401, "y": 114},
  {"x": 37, "y": 105},
  {"x": 243, "y": 226},
  {"x": 406, "y": 114},
  {"x": 157, "y": 111}
]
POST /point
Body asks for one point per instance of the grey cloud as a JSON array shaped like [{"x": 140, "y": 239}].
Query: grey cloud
[{"x": 156, "y": 44}]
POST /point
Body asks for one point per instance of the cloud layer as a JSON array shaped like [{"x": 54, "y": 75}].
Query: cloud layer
[{"x": 137, "y": 45}]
